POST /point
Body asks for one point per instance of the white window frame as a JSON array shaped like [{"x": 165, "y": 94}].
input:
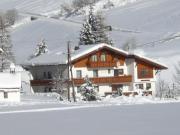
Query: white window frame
[{"x": 78, "y": 73}]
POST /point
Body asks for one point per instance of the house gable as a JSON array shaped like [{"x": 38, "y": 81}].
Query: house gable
[
  {"x": 110, "y": 58},
  {"x": 144, "y": 70}
]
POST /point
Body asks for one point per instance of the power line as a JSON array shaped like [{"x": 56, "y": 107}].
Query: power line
[{"x": 163, "y": 40}]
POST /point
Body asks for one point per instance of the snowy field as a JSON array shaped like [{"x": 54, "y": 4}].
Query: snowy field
[
  {"x": 149, "y": 119},
  {"x": 51, "y": 102}
]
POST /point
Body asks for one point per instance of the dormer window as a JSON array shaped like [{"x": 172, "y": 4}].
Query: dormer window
[
  {"x": 103, "y": 57},
  {"x": 94, "y": 58}
]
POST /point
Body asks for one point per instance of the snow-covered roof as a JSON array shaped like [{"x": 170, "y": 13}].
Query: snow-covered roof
[
  {"x": 153, "y": 62},
  {"x": 59, "y": 57},
  {"x": 86, "y": 49},
  {"x": 50, "y": 58},
  {"x": 10, "y": 81}
]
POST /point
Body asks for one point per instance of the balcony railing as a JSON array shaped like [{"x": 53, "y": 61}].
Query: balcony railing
[
  {"x": 101, "y": 64},
  {"x": 41, "y": 82},
  {"x": 98, "y": 80},
  {"x": 106, "y": 80}
]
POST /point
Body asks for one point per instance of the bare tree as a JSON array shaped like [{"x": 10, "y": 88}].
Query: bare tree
[
  {"x": 74, "y": 7},
  {"x": 162, "y": 88},
  {"x": 60, "y": 83},
  {"x": 177, "y": 79}
]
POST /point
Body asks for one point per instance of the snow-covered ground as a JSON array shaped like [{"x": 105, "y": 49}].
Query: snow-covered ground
[
  {"x": 45, "y": 114},
  {"x": 159, "y": 119},
  {"x": 50, "y": 102}
]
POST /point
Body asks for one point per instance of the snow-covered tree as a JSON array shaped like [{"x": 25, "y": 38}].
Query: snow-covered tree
[
  {"x": 86, "y": 35},
  {"x": 6, "y": 56},
  {"x": 94, "y": 30},
  {"x": 88, "y": 90},
  {"x": 41, "y": 48},
  {"x": 11, "y": 16},
  {"x": 101, "y": 30}
]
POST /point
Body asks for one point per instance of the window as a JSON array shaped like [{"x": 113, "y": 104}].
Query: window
[
  {"x": 148, "y": 86},
  {"x": 49, "y": 75},
  {"x": 144, "y": 72},
  {"x": 78, "y": 89},
  {"x": 78, "y": 74},
  {"x": 61, "y": 74},
  {"x": 5, "y": 94},
  {"x": 121, "y": 71},
  {"x": 94, "y": 58},
  {"x": 118, "y": 72},
  {"x": 103, "y": 57},
  {"x": 109, "y": 71},
  {"x": 140, "y": 86},
  {"x": 44, "y": 75},
  {"x": 95, "y": 73}
]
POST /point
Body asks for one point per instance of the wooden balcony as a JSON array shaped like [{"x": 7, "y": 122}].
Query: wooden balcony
[
  {"x": 41, "y": 82},
  {"x": 106, "y": 80},
  {"x": 101, "y": 64}
]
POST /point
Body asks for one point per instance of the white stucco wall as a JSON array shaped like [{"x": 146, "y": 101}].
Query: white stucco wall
[
  {"x": 13, "y": 96},
  {"x": 104, "y": 89}
]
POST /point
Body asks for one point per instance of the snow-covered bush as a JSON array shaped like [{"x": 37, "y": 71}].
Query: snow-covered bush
[{"x": 88, "y": 90}]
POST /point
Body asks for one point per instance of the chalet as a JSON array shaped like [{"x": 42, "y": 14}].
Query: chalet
[
  {"x": 10, "y": 85},
  {"x": 111, "y": 69}
]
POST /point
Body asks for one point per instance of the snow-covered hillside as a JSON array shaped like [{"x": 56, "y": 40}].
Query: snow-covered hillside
[
  {"x": 33, "y": 6},
  {"x": 153, "y": 24}
]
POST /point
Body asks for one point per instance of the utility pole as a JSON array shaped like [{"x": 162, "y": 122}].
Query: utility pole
[
  {"x": 68, "y": 54},
  {"x": 70, "y": 78}
]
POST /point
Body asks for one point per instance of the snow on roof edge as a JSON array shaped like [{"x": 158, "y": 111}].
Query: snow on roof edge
[
  {"x": 150, "y": 60},
  {"x": 98, "y": 46}
]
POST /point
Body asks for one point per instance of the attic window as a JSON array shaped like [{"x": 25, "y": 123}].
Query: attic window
[
  {"x": 94, "y": 58},
  {"x": 103, "y": 57}
]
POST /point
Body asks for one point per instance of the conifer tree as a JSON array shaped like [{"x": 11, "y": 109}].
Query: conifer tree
[
  {"x": 101, "y": 30},
  {"x": 88, "y": 90},
  {"x": 94, "y": 30},
  {"x": 6, "y": 57},
  {"x": 41, "y": 48}
]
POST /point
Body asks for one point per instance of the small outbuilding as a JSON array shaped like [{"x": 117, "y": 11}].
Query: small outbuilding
[{"x": 10, "y": 86}]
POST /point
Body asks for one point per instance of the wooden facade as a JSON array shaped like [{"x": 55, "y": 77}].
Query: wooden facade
[
  {"x": 144, "y": 70},
  {"x": 111, "y": 59}
]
